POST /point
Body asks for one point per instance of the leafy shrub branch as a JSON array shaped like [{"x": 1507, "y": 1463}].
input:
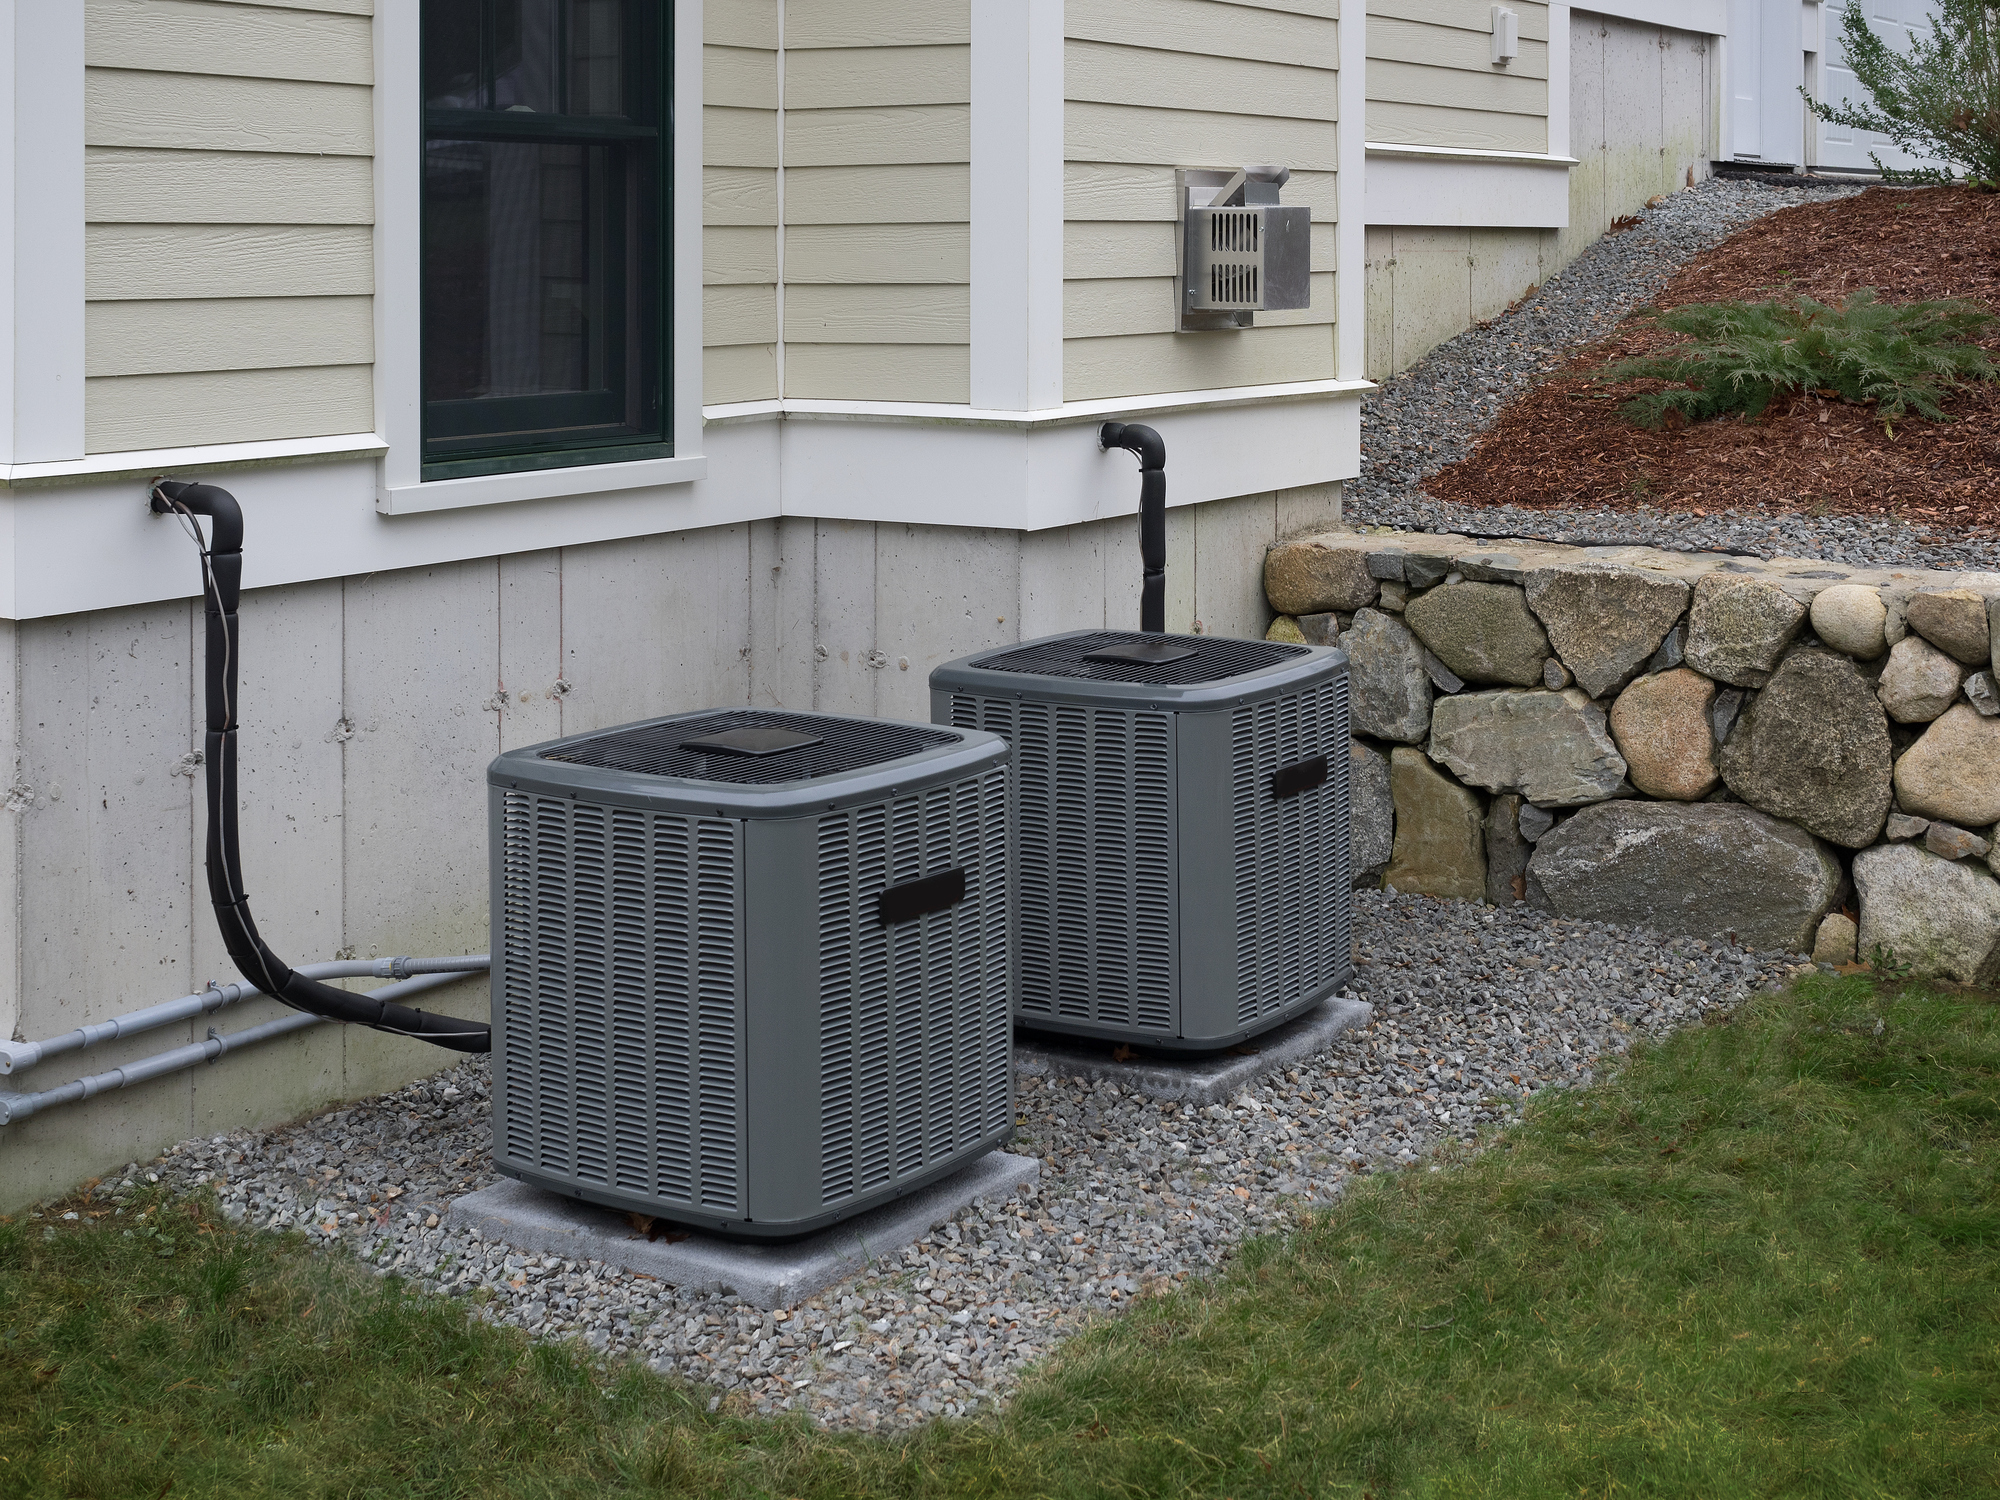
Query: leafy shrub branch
[
  {"x": 1740, "y": 356},
  {"x": 1941, "y": 99}
]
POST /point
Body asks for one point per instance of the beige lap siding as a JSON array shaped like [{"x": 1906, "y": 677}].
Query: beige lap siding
[
  {"x": 228, "y": 195},
  {"x": 1151, "y": 85},
  {"x": 1432, "y": 80},
  {"x": 878, "y": 207},
  {"x": 739, "y": 199}
]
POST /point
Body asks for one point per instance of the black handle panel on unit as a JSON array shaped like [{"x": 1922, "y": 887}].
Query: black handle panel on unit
[
  {"x": 919, "y": 898},
  {"x": 1301, "y": 776}
]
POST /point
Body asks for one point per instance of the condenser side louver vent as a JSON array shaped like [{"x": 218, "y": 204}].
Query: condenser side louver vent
[
  {"x": 1289, "y": 850},
  {"x": 913, "y": 1016},
  {"x": 620, "y": 1001},
  {"x": 1095, "y": 850}
]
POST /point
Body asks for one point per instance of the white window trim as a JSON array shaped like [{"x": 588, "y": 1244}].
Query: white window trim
[{"x": 400, "y": 488}]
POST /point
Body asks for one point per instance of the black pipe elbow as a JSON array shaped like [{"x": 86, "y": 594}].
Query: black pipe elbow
[
  {"x": 1152, "y": 451},
  {"x": 1148, "y": 444},
  {"x": 226, "y": 534}
]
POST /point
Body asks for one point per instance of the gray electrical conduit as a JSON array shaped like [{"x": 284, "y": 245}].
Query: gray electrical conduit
[
  {"x": 18, "y": 1057},
  {"x": 15, "y": 1107}
]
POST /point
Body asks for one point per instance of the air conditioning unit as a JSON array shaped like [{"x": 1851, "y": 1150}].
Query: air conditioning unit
[
  {"x": 1180, "y": 829},
  {"x": 750, "y": 968}
]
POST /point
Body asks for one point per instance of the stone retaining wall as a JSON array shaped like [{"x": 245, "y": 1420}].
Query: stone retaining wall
[{"x": 1706, "y": 744}]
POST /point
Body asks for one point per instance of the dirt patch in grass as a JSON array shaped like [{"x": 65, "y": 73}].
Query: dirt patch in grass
[{"x": 1565, "y": 444}]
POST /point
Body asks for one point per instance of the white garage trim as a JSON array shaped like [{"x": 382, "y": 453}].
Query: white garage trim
[{"x": 1710, "y": 17}]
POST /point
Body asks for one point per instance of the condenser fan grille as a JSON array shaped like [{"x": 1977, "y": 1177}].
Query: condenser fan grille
[
  {"x": 1206, "y": 659},
  {"x": 829, "y": 747}
]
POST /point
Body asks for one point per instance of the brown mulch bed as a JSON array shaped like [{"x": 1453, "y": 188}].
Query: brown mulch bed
[{"x": 1564, "y": 443}]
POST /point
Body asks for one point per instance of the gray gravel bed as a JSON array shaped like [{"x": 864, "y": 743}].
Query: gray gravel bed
[
  {"x": 1430, "y": 415},
  {"x": 1475, "y": 1010}
]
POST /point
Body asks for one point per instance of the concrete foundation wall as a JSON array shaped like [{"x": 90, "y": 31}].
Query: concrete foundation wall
[
  {"x": 1642, "y": 112},
  {"x": 1428, "y": 285},
  {"x": 371, "y": 706},
  {"x": 1642, "y": 119}
]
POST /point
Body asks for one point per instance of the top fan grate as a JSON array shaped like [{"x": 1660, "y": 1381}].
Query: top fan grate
[
  {"x": 716, "y": 747},
  {"x": 1119, "y": 656}
]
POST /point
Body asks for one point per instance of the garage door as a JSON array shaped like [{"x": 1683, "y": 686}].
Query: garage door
[{"x": 1893, "y": 21}]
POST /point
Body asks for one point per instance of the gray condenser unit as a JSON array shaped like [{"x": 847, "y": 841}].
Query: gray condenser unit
[
  {"x": 1180, "y": 829},
  {"x": 751, "y": 969}
]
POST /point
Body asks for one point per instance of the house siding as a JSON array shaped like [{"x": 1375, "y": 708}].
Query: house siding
[
  {"x": 1251, "y": 83},
  {"x": 1432, "y": 82},
  {"x": 228, "y": 200},
  {"x": 877, "y": 201}
]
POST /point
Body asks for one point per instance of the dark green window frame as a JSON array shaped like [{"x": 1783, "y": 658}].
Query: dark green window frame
[{"x": 617, "y": 405}]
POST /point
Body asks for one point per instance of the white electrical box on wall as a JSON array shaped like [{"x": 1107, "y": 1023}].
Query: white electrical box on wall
[{"x": 1506, "y": 36}]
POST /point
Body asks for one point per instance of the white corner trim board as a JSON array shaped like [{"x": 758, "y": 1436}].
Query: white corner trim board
[
  {"x": 1017, "y": 203},
  {"x": 1486, "y": 189},
  {"x": 41, "y": 231},
  {"x": 1350, "y": 232}
]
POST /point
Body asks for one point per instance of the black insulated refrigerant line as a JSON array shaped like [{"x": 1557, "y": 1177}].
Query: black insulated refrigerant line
[
  {"x": 222, "y": 583},
  {"x": 1152, "y": 451}
]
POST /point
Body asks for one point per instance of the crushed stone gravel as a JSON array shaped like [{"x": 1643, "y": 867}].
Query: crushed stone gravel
[
  {"x": 1431, "y": 414},
  {"x": 1476, "y": 1009}
]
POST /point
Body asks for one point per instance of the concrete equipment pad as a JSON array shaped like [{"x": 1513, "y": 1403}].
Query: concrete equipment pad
[
  {"x": 763, "y": 1275},
  {"x": 1190, "y": 1077}
]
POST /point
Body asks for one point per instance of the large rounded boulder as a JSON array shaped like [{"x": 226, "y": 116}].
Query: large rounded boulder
[
  {"x": 1813, "y": 748},
  {"x": 1693, "y": 868}
]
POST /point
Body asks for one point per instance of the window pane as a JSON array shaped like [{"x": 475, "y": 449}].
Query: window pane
[
  {"x": 516, "y": 276},
  {"x": 562, "y": 57},
  {"x": 543, "y": 260}
]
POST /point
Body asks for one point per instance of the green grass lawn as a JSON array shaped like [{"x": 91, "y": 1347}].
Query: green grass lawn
[{"x": 1764, "y": 1260}]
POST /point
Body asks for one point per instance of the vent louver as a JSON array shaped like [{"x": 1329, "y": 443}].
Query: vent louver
[
  {"x": 619, "y": 1000},
  {"x": 1285, "y": 945},
  {"x": 913, "y": 1018}
]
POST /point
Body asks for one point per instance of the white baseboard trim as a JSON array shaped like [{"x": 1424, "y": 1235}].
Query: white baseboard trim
[
  {"x": 147, "y": 462},
  {"x": 1068, "y": 414},
  {"x": 310, "y": 508},
  {"x": 1432, "y": 187}
]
